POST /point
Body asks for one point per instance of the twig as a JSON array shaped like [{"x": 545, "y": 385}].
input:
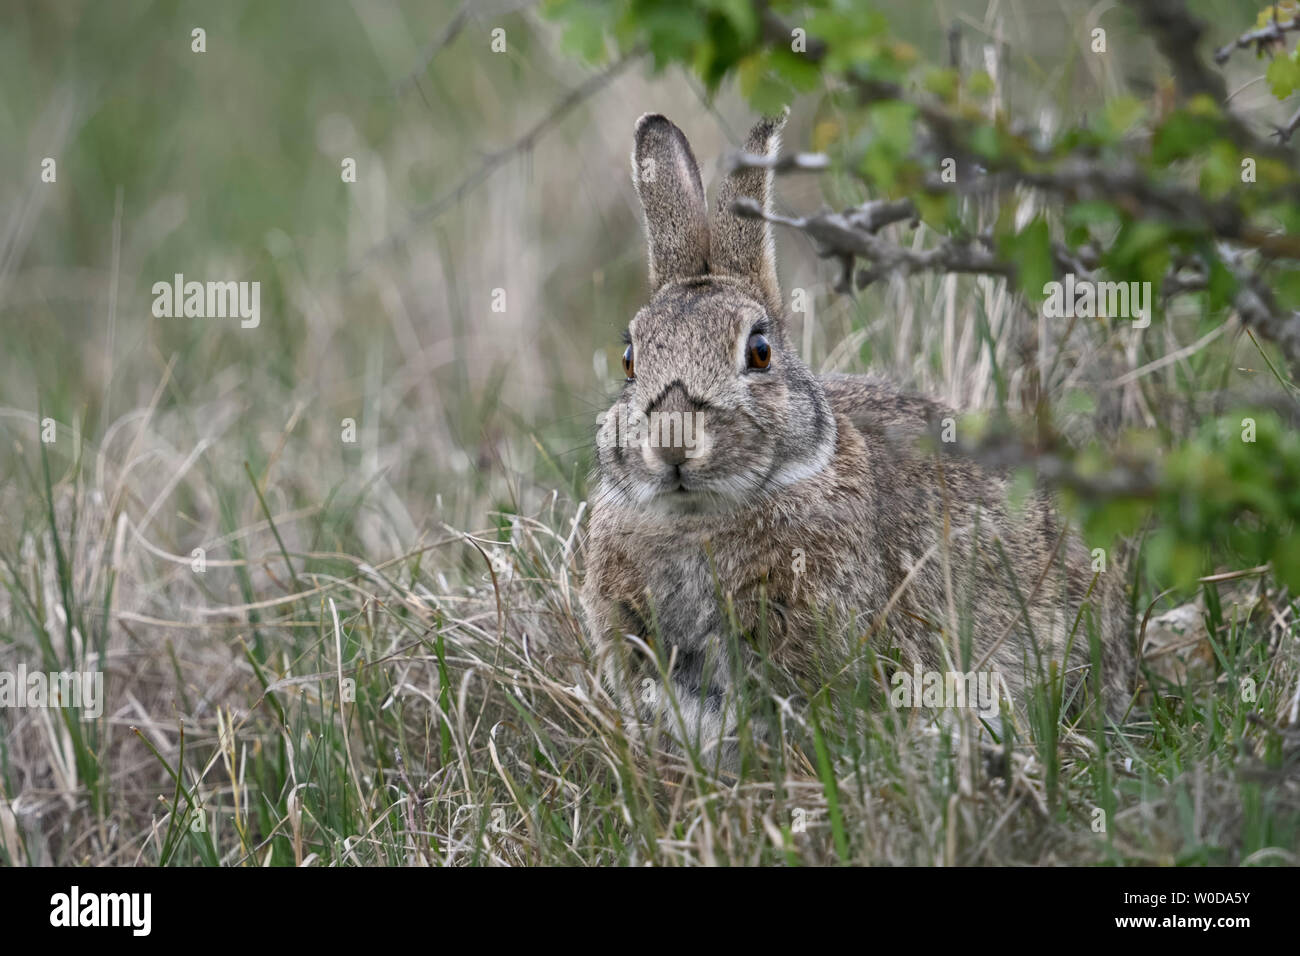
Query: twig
[
  {"x": 455, "y": 26},
  {"x": 1272, "y": 32},
  {"x": 1177, "y": 34},
  {"x": 786, "y": 163},
  {"x": 1254, "y": 302},
  {"x": 1171, "y": 357},
  {"x": 1284, "y": 132},
  {"x": 852, "y": 234},
  {"x": 449, "y": 33},
  {"x": 1001, "y": 451},
  {"x": 493, "y": 161}
]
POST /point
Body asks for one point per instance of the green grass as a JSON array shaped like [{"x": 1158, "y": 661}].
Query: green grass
[{"x": 449, "y": 715}]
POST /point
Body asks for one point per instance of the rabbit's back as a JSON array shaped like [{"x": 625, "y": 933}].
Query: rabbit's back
[{"x": 1024, "y": 586}]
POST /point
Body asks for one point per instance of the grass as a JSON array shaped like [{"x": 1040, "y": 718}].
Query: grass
[
  {"x": 440, "y": 707},
  {"x": 381, "y": 659}
]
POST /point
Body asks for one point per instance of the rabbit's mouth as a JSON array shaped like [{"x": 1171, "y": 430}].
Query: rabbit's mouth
[
  {"x": 676, "y": 485},
  {"x": 686, "y": 493},
  {"x": 680, "y": 496}
]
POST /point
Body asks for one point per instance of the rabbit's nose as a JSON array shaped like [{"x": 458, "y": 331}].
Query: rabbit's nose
[
  {"x": 673, "y": 454},
  {"x": 675, "y": 429},
  {"x": 671, "y": 440}
]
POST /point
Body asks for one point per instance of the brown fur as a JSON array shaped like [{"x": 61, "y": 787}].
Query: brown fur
[{"x": 813, "y": 501}]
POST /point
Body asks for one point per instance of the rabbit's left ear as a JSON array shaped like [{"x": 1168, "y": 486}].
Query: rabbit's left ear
[
  {"x": 667, "y": 179},
  {"x": 743, "y": 247}
]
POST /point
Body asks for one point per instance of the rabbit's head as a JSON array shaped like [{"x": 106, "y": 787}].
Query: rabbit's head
[{"x": 718, "y": 412}]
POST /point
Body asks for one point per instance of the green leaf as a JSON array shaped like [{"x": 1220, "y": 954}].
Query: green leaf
[
  {"x": 1221, "y": 172},
  {"x": 1185, "y": 133},
  {"x": 1141, "y": 252},
  {"x": 979, "y": 84},
  {"x": 1222, "y": 285},
  {"x": 1031, "y": 251},
  {"x": 943, "y": 83},
  {"x": 1092, "y": 212},
  {"x": 892, "y": 130},
  {"x": 1283, "y": 76},
  {"x": 800, "y": 72},
  {"x": 985, "y": 142},
  {"x": 1286, "y": 561},
  {"x": 741, "y": 15},
  {"x": 895, "y": 123},
  {"x": 584, "y": 38},
  {"x": 1287, "y": 286},
  {"x": 1120, "y": 115}
]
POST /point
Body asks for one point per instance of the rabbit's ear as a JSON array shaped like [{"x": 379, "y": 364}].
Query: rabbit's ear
[
  {"x": 668, "y": 181},
  {"x": 743, "y": 247}
]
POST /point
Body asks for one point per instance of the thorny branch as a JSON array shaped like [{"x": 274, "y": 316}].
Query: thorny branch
[
  {"x": 1286, "y": 130},
  {"x": 1264, "y": 39},
  {"x": 787, "y": 163},
  {"x": 1003, "y": 451},
  {"x": 1130, "y": 474},
  {"x": 852, "y": 234},
  {"x": 1178, "y": 34}
]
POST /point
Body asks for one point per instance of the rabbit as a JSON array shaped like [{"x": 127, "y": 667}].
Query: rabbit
[{"x": 799, "y": 506}]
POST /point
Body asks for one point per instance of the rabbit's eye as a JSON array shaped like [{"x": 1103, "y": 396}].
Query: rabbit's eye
[
  {"x": 628, "y": 365},
  {"x": 759, "y": 352}
]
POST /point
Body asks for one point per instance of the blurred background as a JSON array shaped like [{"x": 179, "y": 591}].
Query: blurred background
[{"x": 476, "y": 171}]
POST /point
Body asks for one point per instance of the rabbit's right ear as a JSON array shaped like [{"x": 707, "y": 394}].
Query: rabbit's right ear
[{"x": 668, "y": 181}]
